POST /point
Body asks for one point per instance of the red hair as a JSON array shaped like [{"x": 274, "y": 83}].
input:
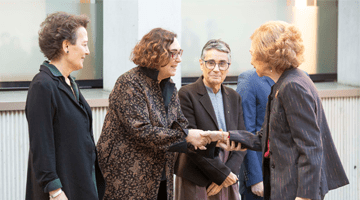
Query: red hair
[{"x": 152, "y": 50}]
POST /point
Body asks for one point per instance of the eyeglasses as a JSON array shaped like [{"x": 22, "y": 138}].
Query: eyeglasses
[
  {"x": 176, "y": 54},
  {"x": 210, "y": 64}
]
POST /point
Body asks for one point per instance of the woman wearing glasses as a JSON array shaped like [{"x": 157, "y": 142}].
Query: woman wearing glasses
[{"x": 144, "y": 124}]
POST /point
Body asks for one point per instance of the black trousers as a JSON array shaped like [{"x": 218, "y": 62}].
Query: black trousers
[
  {"x": 162, "y": 195},
  {"x": 267, "y": 186}
]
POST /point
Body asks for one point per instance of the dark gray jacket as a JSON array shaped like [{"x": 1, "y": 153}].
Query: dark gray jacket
[
  {"x": 197, "y": 108},
  {"x": 303, "y": 158}
]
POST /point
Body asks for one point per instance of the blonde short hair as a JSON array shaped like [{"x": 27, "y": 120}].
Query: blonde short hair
[{"x": 278, "y": 44}]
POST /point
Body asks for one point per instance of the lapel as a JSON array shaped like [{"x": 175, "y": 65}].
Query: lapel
[
  {"x": 150, "y": 81},
  {"x": 88, "y": 110},
  {"x": 67, "y": 92},
  {"x": 227, "y": 103},
  {"x": 86, "y": 105},
  {"x": 71, "y": 96},
  {"x": 271, "y": 96},
  {"x": 205, "y": 101},
  {"x": 62, "y": 87}
]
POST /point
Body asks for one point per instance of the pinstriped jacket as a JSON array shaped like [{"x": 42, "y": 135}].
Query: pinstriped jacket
[{"x": 303, "y": 158}]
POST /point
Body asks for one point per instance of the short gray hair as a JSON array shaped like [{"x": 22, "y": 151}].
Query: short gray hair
[{"x": 217, "y": 44}]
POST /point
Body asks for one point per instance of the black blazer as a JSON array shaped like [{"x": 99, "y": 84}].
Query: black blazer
[
  {"x": 197, "y": 108},
  {"x": 303, "y": 158},
  {"x": 61, "y": 141}
]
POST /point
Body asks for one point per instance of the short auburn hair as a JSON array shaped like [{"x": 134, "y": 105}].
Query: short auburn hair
[
  {"x": 56, "y": 28},
  {"x": 278, "y": 44},
  {"x": 153, "y": 49}
]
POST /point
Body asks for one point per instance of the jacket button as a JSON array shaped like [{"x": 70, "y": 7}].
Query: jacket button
[{"x": 273, "y": 166}]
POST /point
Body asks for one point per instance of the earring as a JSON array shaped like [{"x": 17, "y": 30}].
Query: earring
[
  {"x": 270, "y": 69},
  {"x": 67, "y": 52}
]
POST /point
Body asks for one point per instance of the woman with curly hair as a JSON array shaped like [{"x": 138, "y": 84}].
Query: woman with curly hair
[
  {"x": 300, "y": 160},
  {"x": 144, "y": 125},
  {"x": 62, "y": 159}
]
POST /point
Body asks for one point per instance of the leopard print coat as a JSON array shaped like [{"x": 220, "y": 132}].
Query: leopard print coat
[{"x": 136, "y": 135}]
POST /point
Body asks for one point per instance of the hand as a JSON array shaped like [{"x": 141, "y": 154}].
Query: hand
[
  {"x": 61, "y": 196},
  {"x": 230, "y": 180},
  {"x": 300, "y": 198},
  {"x": 229, "y": 147},
  {"x": 213, "y": 189},
  {"x": 215, "y": 135},
  {"x": 258, "y": 189},
  {"x": 197, "y": 140}
]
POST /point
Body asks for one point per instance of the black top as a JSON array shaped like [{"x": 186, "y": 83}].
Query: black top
[
  {"x": 62, "y": 149},
  {"x": 167, "y": 89}
]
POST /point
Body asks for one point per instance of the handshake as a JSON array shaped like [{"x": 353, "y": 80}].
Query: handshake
[{"x": 199, "y": 139}]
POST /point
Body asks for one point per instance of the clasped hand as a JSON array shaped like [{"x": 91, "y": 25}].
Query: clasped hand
[
  {"x": 223, "y": 140},
  {"x": 199, "y": 139}
]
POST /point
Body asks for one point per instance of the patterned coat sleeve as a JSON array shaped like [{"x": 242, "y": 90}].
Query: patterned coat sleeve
[{"x": 131, "y": 105}]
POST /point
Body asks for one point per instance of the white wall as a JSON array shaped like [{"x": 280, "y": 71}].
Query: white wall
[
  {"x": 349, "y": 42},
  {"x": 125, "y": 23}
]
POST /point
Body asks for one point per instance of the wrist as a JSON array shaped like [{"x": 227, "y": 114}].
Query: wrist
[
  {"x": 226, "y": 135},
  {"x": 188, "y": 137},
  {"x": 55, "y": 193}
]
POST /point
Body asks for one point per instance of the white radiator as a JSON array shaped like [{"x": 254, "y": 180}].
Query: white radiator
[
  {"x": 98, "y": 120},
  {"x": 343, "y": 115},
  {"x": 14, "y": 150}
]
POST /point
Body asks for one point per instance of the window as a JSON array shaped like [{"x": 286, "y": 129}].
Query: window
[
  {"x": 234, "y": 21},
  {"x": 19, "y": 49}
]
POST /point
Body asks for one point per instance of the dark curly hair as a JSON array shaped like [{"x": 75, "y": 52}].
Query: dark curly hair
[
  {"x": 152, "y": 50},
  {"x": 279, "y": 45},
  {"x": 56, "y": 28}
]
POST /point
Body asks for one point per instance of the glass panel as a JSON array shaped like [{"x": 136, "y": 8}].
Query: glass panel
[
  {"x": 234, "y": 21},
  {"x": 19, "y": 49}
]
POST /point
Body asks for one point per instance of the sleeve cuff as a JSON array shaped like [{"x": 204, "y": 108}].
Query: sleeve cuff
[
  {"x": 181, "y": 147},
  {"x": 186, "y": 131},
  {"x": 53, "y": 185},
  {"x": 250, "y": 182}
]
